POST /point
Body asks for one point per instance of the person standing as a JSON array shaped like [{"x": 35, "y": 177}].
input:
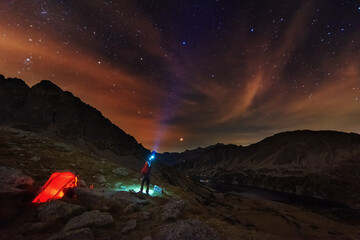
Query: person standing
[{"x": 146, "y": 172}]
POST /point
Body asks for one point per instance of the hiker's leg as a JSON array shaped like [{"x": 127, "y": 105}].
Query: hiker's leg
[
  {"x": 142, "y": 185},
  {"x": 147, "y": 185}
]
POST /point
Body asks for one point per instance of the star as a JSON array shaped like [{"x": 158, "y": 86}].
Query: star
[
  {"x": 183, "y": 43},
  {"x": 181, "y": 139}
]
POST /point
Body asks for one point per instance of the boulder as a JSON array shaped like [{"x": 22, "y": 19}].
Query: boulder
[
  {"x": 104, "y": 199},
  {"x": 130, "y": 225},
  {"x": 94, "y": 198},
  {"x": 173, "y": 209},
  {"x": 14, "y": 177},
  {"x": 58, "y": 209},
  {"x": 78, "y": 234},
  {"x": 89, "y": 219},
  {"x": 12, "y": 201},
  {"x": 132, "y": 207},
  {"x": 101, "y": 179},
  {"x": 38, "y": 227},
  {"x": 190, "y": 229},
  {"x": 127, "y": 198},
  {"x": 141, "y": 215}
]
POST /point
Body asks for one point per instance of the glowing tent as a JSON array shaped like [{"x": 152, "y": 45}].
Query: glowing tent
[{"x": 55, "y": 186}]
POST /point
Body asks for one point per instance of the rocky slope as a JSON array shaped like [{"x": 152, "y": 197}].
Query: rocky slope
[
  {"x": 324, "y": 164},
  {"x": 45, "y": 107},
  {"x": 186, "y": 210}
]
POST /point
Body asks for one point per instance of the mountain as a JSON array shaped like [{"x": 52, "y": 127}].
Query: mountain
[
  {"x": 45, "y": 130},
  {"x": 324, "y": 164},
  {"x": 45, "y": 107}
]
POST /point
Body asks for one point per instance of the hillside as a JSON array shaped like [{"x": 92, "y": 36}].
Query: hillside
[
  {"x": 45, "y": 107},
  {"x": 324, "y": 164}
]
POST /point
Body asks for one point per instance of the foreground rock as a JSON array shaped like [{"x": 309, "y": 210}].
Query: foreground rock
[
  {"x": 78, "y": 234},
  {"x": 89, "y": 219},
  {"x": 14, "y": 177},
  {"x": 58, "y": 209},
  {"x": 190, "y": 229},
  {"x": 130, "y": 225},
  {"x": 38, "y": 227},
  {"x": 105, "y": 200},
  {"x": 173, "y": 209},
  {"x": 141, "y": 215},
  {"x": 15, "y": 193}
]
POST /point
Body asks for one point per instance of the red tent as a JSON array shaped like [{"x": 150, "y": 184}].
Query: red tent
[{"x": 54, "y": 187}]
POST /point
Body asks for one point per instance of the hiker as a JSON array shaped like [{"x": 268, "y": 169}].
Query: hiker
[{"x": 145, "y": 173}]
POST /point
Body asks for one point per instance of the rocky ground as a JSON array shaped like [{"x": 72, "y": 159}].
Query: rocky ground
[{"x": 186, "y": 210}]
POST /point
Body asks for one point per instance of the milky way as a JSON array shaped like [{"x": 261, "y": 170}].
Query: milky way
[{"x": 183, "y": 74}]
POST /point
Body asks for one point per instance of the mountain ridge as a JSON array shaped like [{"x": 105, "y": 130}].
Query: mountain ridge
[
  {"x": 46, "y": 106},
  {"x": 324, "y": 164}
]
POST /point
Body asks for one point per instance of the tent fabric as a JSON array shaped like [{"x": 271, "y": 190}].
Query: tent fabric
[{"x": 55, "y": 186}]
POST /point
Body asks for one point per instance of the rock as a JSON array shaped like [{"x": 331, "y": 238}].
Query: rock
[
  {"x": 21, "y": 135},
  {"x": 141, "y": 215},
  {"x": 132, "y": 207},
  {"x": 105, "y": 200},
  {"x": 127, "y": 198},
  {"x": 130, "y": 225},
  {"x": 94, "y": 198},
  {"x": 38, "y": 227},
  {"x": 35, "y": 159},
  {"x": 12, "y": 198},
  {"x": 101, "y": 179},
  {"x": 190, "y": 229},
  {"x": 81, "y": 183},
  {"x": 89, "y": 219},
  {"x": 121, "y": 171},
  {"x": 147, "y": 238},
  {"x": 12, "y": 201},
  {"x": 58, "y": 209},
  {"x": 14, "y": 177},
  {"x": 173, "y": 209},
  {"x": 78, "y": 234},
  {"x": 63, "y": 147}
]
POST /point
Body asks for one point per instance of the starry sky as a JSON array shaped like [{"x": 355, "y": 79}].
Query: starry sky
[{"x": 182, "y": 74}]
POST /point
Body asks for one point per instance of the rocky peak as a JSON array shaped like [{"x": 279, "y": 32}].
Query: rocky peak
[
  {"x": 47, "y": 86},
  {"x": 45, "y": 107}
]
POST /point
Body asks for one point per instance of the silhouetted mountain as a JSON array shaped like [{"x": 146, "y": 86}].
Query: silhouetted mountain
[
  {"x": 323, "y": 164},
  {"x": 46, "y": 107}
]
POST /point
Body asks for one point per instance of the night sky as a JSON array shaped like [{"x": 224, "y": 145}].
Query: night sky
[{"x": 182, "y": 74}]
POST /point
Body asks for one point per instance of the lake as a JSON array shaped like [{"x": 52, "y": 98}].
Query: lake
[{"x": 264, "y": 194}]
